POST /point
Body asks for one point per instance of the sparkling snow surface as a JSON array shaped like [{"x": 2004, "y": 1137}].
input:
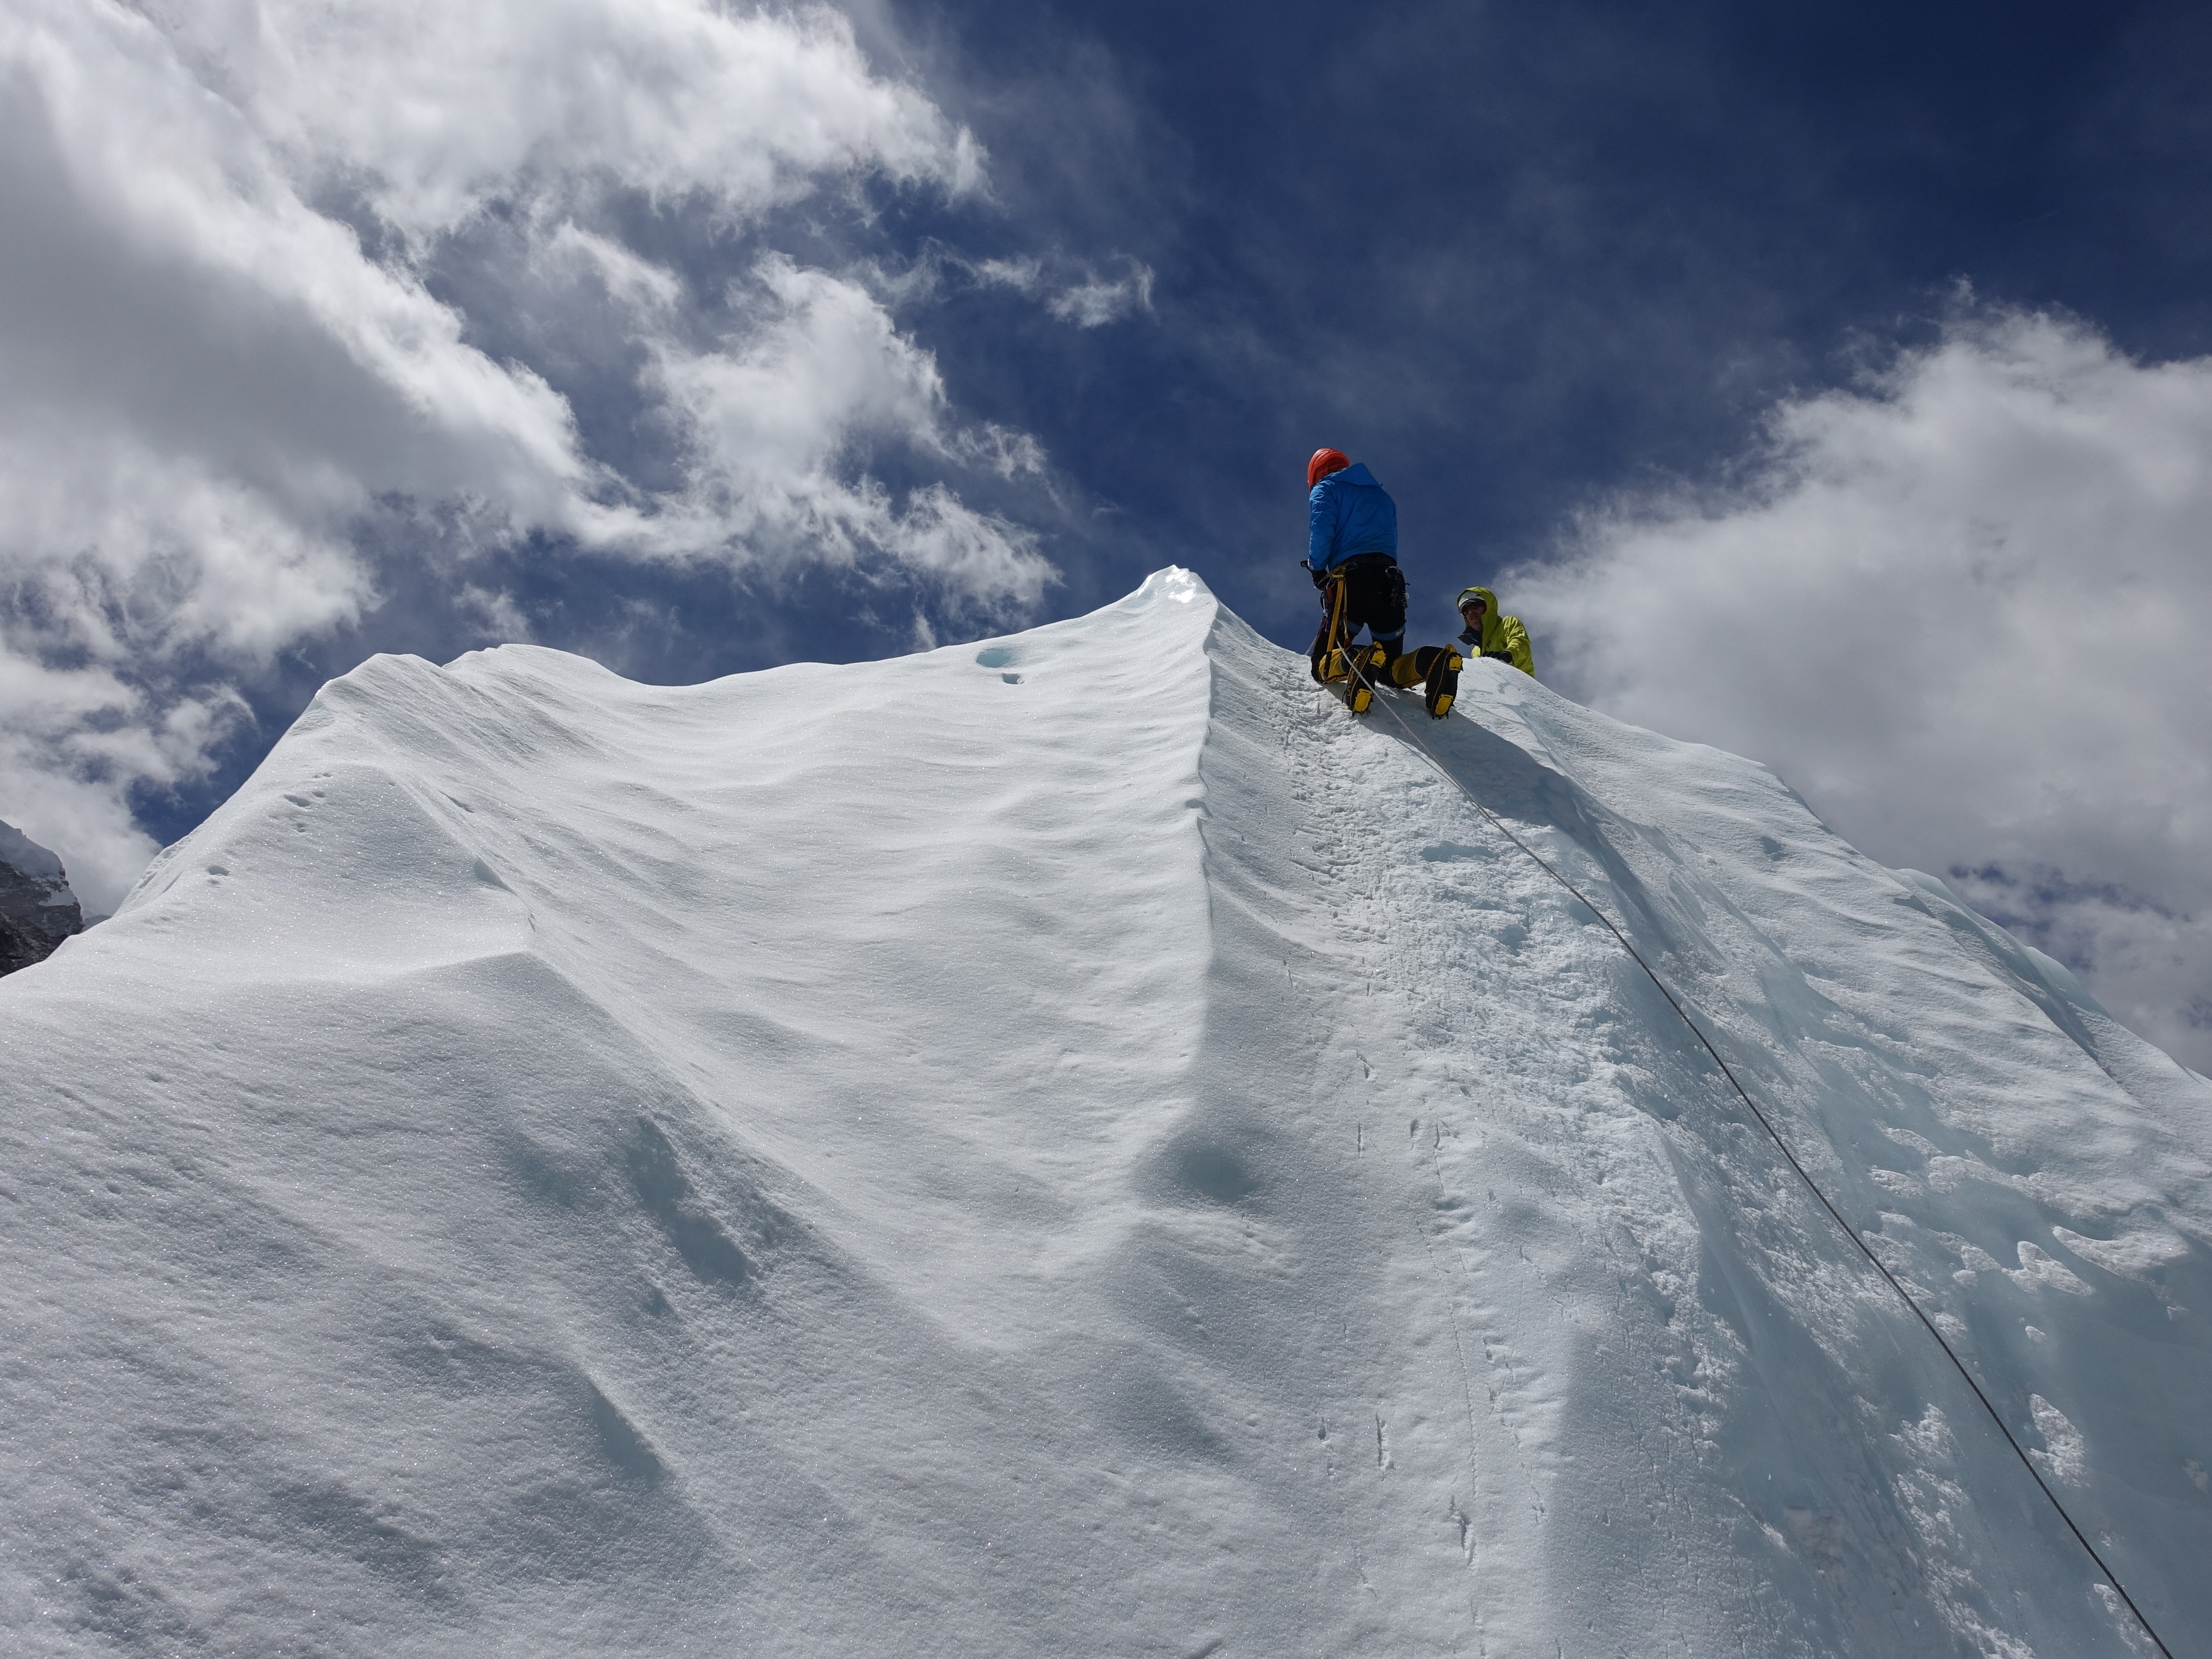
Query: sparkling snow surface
[{"x": 1069, "y": 1147}]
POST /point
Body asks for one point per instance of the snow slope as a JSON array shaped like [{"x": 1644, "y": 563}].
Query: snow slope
[{"x": 1072, "y": 1145}]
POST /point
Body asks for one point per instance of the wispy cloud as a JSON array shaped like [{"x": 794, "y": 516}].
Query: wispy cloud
[
  {"x": 1078, "y": 296},
  {"x": 1962, "y": 608},
  {"x": 1072, "y": 290},
  {"x": 1095, "y": 302}
]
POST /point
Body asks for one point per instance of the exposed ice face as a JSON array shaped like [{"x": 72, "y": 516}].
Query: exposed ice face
[{"x": 1121, "y": 1162}]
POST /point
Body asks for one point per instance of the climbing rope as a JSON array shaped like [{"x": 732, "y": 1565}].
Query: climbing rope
[{"x": 1765, "y": 1123}]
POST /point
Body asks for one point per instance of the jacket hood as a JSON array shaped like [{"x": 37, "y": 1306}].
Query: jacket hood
[
  {"x": 1357, "y": 473},
  {"x": 1491, "y": 627}
]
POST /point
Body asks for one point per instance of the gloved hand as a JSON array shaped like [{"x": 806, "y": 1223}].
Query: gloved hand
[{"x": 1498, "y": 656}]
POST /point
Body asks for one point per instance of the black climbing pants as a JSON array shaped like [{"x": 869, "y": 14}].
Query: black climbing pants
[{"x": 1374, "y": 598}]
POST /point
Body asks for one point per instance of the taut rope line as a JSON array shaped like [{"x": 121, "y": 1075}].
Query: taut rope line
[{"x": 1849, "y": 1231}]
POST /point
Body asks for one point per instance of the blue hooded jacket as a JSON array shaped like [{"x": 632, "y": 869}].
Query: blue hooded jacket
[{"x": 1350, "y": 514}]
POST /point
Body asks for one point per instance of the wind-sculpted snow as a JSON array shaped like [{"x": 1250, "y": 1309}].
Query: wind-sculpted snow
[{"x": 1070, "y": 1146}]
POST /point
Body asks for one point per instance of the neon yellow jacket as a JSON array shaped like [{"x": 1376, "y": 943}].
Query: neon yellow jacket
[{"x": 1501, "y": 634}]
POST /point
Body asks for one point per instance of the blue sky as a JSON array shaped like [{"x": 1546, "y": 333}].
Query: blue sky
[
  {"x": 699, "y": 340},
  {"x": 1521, "y": 257}
]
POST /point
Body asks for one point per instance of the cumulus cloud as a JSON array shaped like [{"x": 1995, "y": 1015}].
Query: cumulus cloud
[
  {"x": 1962, "y": 608},
  {"x": 435, "y": 111},
  {"x": 817, "y": 366},
  {"x": 276, "y": 265}
]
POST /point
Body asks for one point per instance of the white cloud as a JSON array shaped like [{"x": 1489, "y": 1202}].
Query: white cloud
[
  {"x": 1963, "y": 609},
  {"x": 818, "y": 368},
  {"x": 255, "y": 249},
  {"x": 1025, "y": 275},
  {"x": 1089, "y": 301},
  {"x": 435, "y": 110},
  {"x": 1095, "y": 302},
  {"x": 495, "y": 614}
]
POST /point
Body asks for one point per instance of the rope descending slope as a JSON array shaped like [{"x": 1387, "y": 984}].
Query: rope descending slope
[{"x": 1765, "y": 1122}]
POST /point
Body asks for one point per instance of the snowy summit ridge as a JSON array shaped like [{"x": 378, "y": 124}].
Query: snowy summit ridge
[{"x": 1071, "y": 1145}]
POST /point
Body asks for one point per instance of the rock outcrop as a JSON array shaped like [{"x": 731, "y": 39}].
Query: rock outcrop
[{"x": 38, "y": 910}]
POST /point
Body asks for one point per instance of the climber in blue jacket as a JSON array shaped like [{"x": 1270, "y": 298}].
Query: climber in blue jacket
[{"x": 1352, "y": 549}]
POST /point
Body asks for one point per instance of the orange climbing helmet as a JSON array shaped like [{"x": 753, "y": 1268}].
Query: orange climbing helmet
[{"x": 1324, "y": 462}]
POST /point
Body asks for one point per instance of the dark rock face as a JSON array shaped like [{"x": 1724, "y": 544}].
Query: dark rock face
[{"x": 38, "y": 910}]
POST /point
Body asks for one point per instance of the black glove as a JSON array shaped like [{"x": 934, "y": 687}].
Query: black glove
[
  {"x": 1318, "y": 579},
  {"x": 1498, "y": 656}
]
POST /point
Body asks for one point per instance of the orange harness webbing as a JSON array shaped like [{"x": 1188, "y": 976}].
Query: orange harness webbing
[{"x": 1328, "y": 656}]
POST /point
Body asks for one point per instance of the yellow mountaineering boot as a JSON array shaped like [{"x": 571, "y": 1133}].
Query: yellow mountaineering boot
[
  {"x": 1435, "y": 668},
  {"x": 1441, "y": 675},
  {"x": 1368, "y": 666}
]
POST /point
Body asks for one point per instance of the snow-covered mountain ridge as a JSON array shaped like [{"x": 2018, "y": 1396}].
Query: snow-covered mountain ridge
[{"x": 1071, "y": 1145}]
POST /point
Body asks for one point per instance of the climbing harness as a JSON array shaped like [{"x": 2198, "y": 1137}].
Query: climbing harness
[
  {"x": 1359, "y": 672},
  {"x": 1765, "y": 1123},
  {"x": 1339, "y": 662}
]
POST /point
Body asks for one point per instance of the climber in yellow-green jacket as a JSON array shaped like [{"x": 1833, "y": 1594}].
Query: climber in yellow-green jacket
[{"x": 1500, "y": 638}]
